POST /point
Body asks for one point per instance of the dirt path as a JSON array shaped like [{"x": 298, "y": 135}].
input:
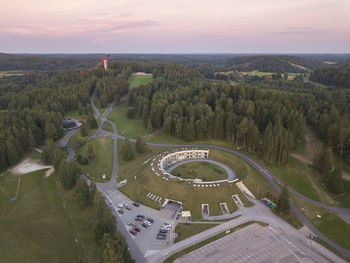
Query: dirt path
[
  {"x": 151, "y": 135},
  {"x": 346, "y": 176},
  {"x": 302, "y": 158}
]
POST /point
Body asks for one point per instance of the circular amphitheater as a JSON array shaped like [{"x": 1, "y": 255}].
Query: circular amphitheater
[{"x": 163, "y": 164}]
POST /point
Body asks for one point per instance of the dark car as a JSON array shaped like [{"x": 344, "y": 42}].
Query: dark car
[
  {"x": 162, "y": 234},
  {"x": 150, "y": 220},
  {"x": 161, "y": 237},
  {"x": 141, "y": 216},
  {"x": 137, "y": 229},
  {"x": 136, "y": 204},
  {"x": 128, "y": 208},
  {"x": 121, "y": 212},
  {"x": 138, "y": 219},
  {"x": 132, "y": 231},
  {"x": 163, "y": 231},
  {"x": 144, "y": 225}
]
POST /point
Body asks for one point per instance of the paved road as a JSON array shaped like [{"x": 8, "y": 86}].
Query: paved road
[
  {"x": 230, "y": 174},
  {"x": 272, "y": 179},
  {"x": 64, "y": 143}
]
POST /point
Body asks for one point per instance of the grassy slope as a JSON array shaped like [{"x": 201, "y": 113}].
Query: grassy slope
[
  {"x": 187, "y": 230},
  {"x": 103, "y": 162},
  {"x": 37, "y": 228},
  {"x": 127, "y": 127},
  {"x": 201, "y": 170},
  {"x": 138, "y": 80}
]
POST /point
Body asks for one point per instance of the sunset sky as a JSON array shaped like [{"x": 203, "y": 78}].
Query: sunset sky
[{"x": 169, "y": 26}]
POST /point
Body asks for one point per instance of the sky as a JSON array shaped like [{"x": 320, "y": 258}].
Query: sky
[{"x": 175, "y": 26}]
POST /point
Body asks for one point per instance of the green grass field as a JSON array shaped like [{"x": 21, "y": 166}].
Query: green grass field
[
  {"x": 192, "y": 197},
  {"x": 102, "y": 163},
  {"x": 184, "y": 230},
  {"x": 200, "y": 170},
  {"x": 329, "y": 224},
  {"x": 42, "y": 225},
  {"x": 136, "y": 80},
  {"x": 127, "y": 127}
]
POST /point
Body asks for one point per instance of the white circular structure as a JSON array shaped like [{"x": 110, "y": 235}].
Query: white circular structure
[{"x": 185, "y": 155}]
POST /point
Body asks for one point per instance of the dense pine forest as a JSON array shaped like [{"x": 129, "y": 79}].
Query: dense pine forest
[{"x": 336, "y": 76}]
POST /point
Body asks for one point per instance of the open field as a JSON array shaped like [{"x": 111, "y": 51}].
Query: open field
[
  {"x": 42, "y": 225},
  {"x": 291, "y": 76},
  {"x": 77, "y": 138},
  {"x": 200, "y": 170},
  {"x": 192, "y": 197},
  {"x": 184, "y": 230},
  {"x": 102, "y": 163},
  {"x": 329, "y": 224},
  {"x": 10, "y": 73},
  {"x": 127, "y": 127},
  {"x": 137, "y": 79}
]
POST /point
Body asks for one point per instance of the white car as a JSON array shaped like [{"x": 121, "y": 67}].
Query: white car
[
  {"x": 124, "y": 204},
  {"x": 167, "y": 225},
  {"x": 120, "y": 206},
  {"x": 148, "y": 223}
]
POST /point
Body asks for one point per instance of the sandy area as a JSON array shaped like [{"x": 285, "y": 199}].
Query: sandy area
[
  {"x": 141, "y": 73},
  {"x": 29, "y": 165},
  {"x": 346, "y": 176}
]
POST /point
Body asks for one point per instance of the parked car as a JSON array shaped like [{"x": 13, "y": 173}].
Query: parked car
[
  {"x": 162, "y": 230},
  {"x": 128, "y": 208},
  {"x": 120, "y": 205},
  {"x": 132, "y": 231},
  {"x": 136, "y": 204},
  {"x": 131, "y": 224},
  {"x": 161, "y": 237},
  {"x": 141, "y": 216},
  {"x": 120, "y": 211},
  {"x": 138, "y": 219},
  {"x": 137, "y": 229},
  {"x": 124, "y": 203},
  {"x": 145, "y": 225},
  {"x": 150, "y": 220},
  {"x": 162, "y": 234}
]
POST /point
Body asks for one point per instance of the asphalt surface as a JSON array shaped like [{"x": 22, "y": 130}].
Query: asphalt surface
[
  {"x": 269, "y": 217},
  {"x": 230, "y": 173}
]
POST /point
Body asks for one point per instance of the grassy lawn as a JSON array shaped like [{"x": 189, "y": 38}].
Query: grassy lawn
[
  {"x": 184, "y": 230},
  {"x": 255, "y": 182},
  {"x": 329, "y": 224},
  {"x": 136, "y": 80},
  {"x": 107, "y": 127},
  {"x": 191, "y": 197},
  {"x": 102, "y": 163},
  {"x": 37, "y": 227},
  {"x": 76, "y": 139},
  {"x": 295, "y": 174},
  {"x": 291, "y": 76},
  {"x": 127, "y": 127},
  {"x": 200, "y": 170},
  {"x": 207, "y": 241}
]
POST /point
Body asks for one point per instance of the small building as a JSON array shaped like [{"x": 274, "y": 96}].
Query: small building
[
  {"x": 186, "y": 215},
  {"x": 69, "y": 124}
]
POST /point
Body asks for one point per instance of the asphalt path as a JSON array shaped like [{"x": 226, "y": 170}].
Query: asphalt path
[
  {"x": 230, "y": 174},
  {"x": 272, "y": 179}
]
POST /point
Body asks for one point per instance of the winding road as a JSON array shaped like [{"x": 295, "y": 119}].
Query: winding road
[{"x": 344, "y": 213}]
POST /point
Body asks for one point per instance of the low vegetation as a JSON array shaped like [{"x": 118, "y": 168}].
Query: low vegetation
[
  {"x": 200, "y": 170},
  {"x": 184, "y": 230},
  {"x": 138, "y": 79},
  {"x": 102, "y": 163}
]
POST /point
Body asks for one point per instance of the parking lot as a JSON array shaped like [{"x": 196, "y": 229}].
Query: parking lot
[
  {"x": 146, "y": 240},
  {"x": 253, "y": 243}
]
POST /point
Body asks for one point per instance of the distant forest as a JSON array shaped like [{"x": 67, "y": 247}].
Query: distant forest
[
  {"x": 264, "y": 115},
  {"x": 333, "y": 76}
]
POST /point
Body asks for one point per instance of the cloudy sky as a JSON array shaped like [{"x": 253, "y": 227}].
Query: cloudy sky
[{"x": 174, "y": 26}]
